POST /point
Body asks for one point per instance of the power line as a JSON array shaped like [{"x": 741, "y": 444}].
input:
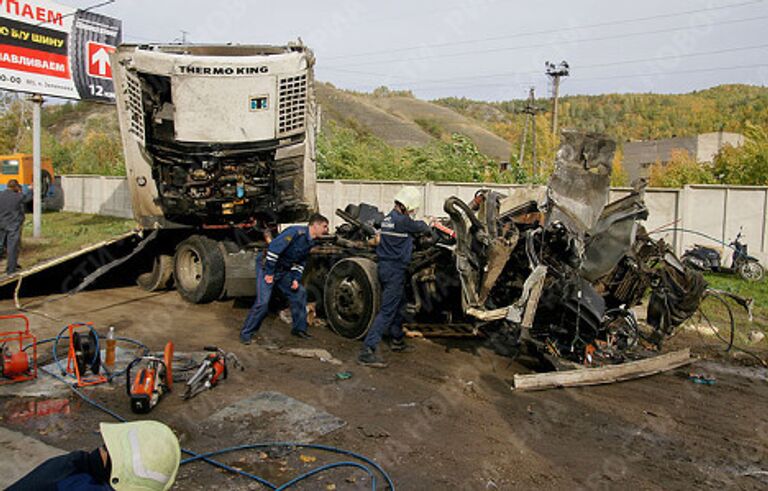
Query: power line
[
  {"x": 417, "y": 83},
  {"x": 547, "y": 31},
  {"x": 634, "y": 75},
  {"x": 548, "y": 44},
  {"x": 87, "y": 9}
]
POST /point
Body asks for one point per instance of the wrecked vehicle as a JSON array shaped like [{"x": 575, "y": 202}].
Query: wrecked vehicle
[
  {"x": 562, "y": 275},
  {"x": 219, "y": 144}
]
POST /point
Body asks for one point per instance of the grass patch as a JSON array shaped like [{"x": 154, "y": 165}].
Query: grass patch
[
  {"x": 431, "y": 126},
  {"x": 718, "y": 314},
  {"x": 65, "y": 232}
]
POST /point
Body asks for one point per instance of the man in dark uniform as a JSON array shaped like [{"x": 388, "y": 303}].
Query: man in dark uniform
[
  {"x": 12, "y": 203},
  {"x": 283, "y": 265},
  {"x": 394, "y": 252}
]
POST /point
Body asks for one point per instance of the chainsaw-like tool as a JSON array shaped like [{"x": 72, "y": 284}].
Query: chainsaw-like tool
[{"x": 155, "y": 378}]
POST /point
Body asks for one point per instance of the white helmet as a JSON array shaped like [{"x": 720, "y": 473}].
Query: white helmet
[
  {"x": 409, "y": 197},
  {"x": 145, "y": 455}
]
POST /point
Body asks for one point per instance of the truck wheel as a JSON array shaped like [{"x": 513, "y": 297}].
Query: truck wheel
[
  {"x": 159, "y": 277},
  {"x": 46, "y": 184},
  {"x": 198, "y": 268},
  {"x": 352, "y": 297}
]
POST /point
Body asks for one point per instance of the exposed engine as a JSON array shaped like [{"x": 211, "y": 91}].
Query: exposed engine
[
  {"x": 561, "y": 275},
  {"x": 226, "y": 133}
]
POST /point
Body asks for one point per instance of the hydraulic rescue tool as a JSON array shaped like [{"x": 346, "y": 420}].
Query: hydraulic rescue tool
[
  {"x": 84, "y": 355},
  {"x": 155, "y": 378},
  {"x": 212, "y": 369},
  {"x": 15, "y": 364}
]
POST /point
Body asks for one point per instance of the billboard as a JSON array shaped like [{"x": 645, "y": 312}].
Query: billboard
[{"x": 50, "y": 49}]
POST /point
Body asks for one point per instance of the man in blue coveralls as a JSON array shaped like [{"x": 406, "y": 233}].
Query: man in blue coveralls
[
  {"x": 283, "y": 266},
  {"x": 394, "y": 253}
]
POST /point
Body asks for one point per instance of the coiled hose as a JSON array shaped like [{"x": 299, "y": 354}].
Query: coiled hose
[{"x": 207, "y": 457}]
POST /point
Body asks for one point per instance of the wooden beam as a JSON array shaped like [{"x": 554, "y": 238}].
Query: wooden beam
[{"x": 604, "y": 375}]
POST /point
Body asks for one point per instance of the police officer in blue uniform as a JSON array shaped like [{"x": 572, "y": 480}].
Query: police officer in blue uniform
[
  {"x": 394, "y": 253},
  {"x": 283, "y": 266}
]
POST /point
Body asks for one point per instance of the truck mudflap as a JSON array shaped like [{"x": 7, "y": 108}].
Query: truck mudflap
[{"x": 241, "y": 273}]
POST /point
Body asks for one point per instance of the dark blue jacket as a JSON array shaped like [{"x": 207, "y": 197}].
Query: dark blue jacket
[
  {"x": 396, "y": 242},
  {"x": 289, "y": 251},
  {"x": 73, "y": 471}
]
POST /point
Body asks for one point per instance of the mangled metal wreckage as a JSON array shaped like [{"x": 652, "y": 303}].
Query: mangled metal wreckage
[{"x": 561, "y": 275}]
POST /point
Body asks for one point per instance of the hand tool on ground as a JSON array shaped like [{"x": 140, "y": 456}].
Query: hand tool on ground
[
  {"x": 154, "y": 378},
  {"x": 212, "y": 369}
]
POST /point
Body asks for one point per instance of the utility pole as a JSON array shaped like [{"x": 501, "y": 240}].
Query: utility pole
[
  {"x": 183, "y": 38},
  {"x": 530, "y": 110},
  {"x": 555, "y": 72},
  {"x": 37, "y": 106}
]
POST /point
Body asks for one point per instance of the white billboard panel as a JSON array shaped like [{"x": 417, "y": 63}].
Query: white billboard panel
[{"x": 51, "y": 49}]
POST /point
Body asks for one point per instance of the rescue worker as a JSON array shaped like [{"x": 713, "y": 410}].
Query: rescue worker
[
  {"x": 394, "y": 253},
  {"x": 142, "y": 455},
  {"x": 283, "y": 266},
  {"x": 12, "y": 203}
]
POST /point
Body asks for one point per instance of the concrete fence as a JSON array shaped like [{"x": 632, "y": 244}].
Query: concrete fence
[{"x": 716, "y": 211}]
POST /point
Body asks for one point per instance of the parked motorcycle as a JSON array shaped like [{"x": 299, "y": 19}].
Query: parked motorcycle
[{"x": 705, "y": 258}]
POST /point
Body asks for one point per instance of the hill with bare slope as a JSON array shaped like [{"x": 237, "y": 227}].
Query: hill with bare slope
[{"x": 402, "y": 120}]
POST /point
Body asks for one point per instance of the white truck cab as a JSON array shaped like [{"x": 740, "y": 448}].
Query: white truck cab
[{"x": 219, "y": 145}]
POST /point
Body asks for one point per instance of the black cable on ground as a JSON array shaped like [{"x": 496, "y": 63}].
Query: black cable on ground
[{"x": 206, "y": 457}]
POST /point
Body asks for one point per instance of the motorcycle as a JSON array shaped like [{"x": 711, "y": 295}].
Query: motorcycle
[{"x": 705, "y": 258}]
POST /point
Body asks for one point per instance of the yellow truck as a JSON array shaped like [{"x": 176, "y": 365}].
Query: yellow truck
[{"x": 19, "y": 166}]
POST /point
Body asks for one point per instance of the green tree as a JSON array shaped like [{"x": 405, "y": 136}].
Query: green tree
[
  {"x": 748, "y": 164},
  {"x": 681, "y": 169}
]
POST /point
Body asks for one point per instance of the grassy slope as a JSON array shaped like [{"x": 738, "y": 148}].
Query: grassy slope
[{"x": 65, "y": 232}]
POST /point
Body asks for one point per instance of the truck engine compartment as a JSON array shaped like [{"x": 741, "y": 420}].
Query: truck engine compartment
[
  {"x": 224, "y": 131},
  {"x": 558, "y": 278}
]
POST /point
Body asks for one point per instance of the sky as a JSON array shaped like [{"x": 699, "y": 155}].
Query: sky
[{"x": 482, "y": 49}]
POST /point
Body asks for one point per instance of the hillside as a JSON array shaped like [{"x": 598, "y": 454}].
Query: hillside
[
  {"x": 636, "y": 116},
  {"x": 385, "y": 133},
  {"x": 402, "y": 120}
]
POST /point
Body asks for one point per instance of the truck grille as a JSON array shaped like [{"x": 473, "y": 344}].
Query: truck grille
[
  {"x": 293, "y": 104},
  {"x": 135, "y": 106}
]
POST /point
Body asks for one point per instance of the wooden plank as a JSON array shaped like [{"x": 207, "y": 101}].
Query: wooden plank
[
  {"x": 440, "y": 331},
  {"x": 604, "y": 375}
]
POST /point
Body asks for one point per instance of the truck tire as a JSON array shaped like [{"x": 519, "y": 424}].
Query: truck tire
[
  {"x": 198, "y": 269},
  {"x": 45, "y": 177},
  {"x": 352, "y": 297},
  {"x": 159, "y": 277}
]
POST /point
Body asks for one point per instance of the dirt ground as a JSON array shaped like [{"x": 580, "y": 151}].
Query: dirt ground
[{"x": 442, "y": 417}]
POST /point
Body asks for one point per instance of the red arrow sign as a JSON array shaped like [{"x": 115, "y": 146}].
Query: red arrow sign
[{"x": 99, "y": 65}]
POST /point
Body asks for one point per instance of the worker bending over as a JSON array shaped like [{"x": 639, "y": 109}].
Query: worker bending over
[
  {"x": 283, "y": 265},
  {"x": 143, "y": 455},
  {"x": 394, "y": 253}
]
